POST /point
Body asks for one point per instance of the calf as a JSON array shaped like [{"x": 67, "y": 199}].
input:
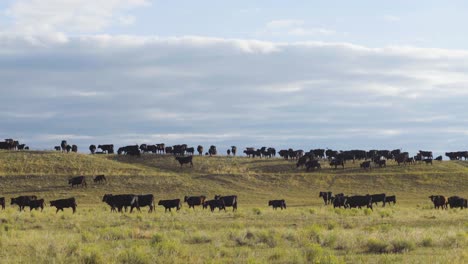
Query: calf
[
  {"x": 439, "y": 201},
  {"x": 358, "y": 201},
  {"x": 64, "y": 203},
  {"x": 439, "y": 158},
  {"x": 168, "y": 204},
  {"x": 230, "y": 200},
  {"x": 213, "y": 204},
  {"x": 193, "y": 201},
  {"x": 79, "y": 180},
  {"x": 23, "y": 201},
  {"x": 2, "y": 202},
  {"x": 277, "y": 204},
  {"x": 146, "y": 200},
  {"x": 327, "y": 197},
  {"x": 36, "y": 204},
  {"x": 390, "y": 199},
  {"x": 100, "y": 179},
  {"x": 185, "y": 160}
]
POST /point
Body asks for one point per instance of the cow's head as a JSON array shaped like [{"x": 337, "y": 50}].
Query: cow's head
[
  {"x": 106, "y": 197},
  {"x": 216, "y": 197}
]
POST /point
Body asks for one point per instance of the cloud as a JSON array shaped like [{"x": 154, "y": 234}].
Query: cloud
[
  {"x": 391, "y": 18},
  {"x": 36, "y": 17},
  {"x": 294, "y": 27},
  {"x": 191, "y": 89}
]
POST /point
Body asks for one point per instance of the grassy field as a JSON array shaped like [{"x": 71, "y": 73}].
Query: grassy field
[{"x": 307, "y": 232}]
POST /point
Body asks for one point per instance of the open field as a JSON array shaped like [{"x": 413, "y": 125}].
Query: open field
[{"x": 308, "y": 231}]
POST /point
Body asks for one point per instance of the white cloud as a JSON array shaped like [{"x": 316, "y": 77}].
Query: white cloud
[
  {"x": 295, "y": 27},
  {"x": 284, "y": 23}
]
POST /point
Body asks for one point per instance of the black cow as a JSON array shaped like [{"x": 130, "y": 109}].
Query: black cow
[
  {"x": 277, "y": 204},
  {"x": 160, "y": 148},
  {"x": 100, "y": 179},
  {"x": 78, "y": 180},
  {"x": 301, "y": 161},
  {"x": 457, "y": 202},
  {"x": 64, "y": 203},
  {"x": 92, "y": 149},
  {"x": 312, "y": 164},
  {"x": 108, "y": 148},
  {"x": 193, "y": 201},
  {"x": 132, "y": 150},
  {"x": 69, "y": 148},
  {"x": 378, "y": 198},
  {"x": 185, "y": 160},
  {"x": 425, "y": 154},
  {"x": 234, "y": 150},
  {"x": 212, "y": 151},
  {"x": 57, "y": 148},
  {"x": 74, "y": 148},
  {"x": 337, "y": 162},
  {"x": 230, "y": 200},
  {"x": 168, "y": 204},
  {"x": 228, "y": 151},
  {"x": 439, "y": 201},
  {"x": 439, "y": 158},
  {"x": 390, "y": 199},
  {"x": 339, "y": 201},
  {"x": 200, "y": 150},
  {"x": 23, "y": 201},
  {"x": 36, "y": 204},
  {"x": 146, "y": 200},
  {"x": 381, "y": 163},
  {"x": 121, "y": 200},
  {"x": 366, "y": 164},
  {"x": 428, "y": 161},
  {"x": 64, "y": 145},
  {"x": 358, "y": 201},
  {"x": 327, "y": 197},
  {"x": 2, "y": 202},
  {"x": 401, "y": 158},
  {"x": 213, "y": 204}
]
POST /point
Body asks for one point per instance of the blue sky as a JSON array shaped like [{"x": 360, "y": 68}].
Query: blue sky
[{"x": 301, "y": 74}]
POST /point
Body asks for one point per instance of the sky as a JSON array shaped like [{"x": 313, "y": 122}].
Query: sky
[{"x": 300, "y": 74}]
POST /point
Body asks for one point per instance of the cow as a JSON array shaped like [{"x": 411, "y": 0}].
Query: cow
[
  {"x": 228, "y": 201},
  {"x": 200, "y": 150},
  {"x": 100, "y": 179},
  {"x": 108, "y": 148},
  {"x": 64, "y": 203},
  {"x": 337, "y": 162},
  {"x": 381, "y": 163},
  {"x": 168, "y": 204},
  {"x": 2, "y": 202},
  {"x": 132, "y": 150},
  {"x": 439, "y": 201},
  {"x": 390, "y": 199},
  {"x": 234, "y": 150},
  {"x": 277, "y": 204},
  {"x": 312, "y": 164},
  {"x": 190, "y": 151},
  {"x": 121, "y": 200},
  {"x": 339, "y": 201},
  {"x": 213, "y": 204},
  {"x": 457, "y": 202},
  {"x": 439, "y": 158},
  {"x": 378, "y": 198},
  {"x": 64, "y": 145},
  {"x": 401, "y": 158},
  {"x": 425, "y": 154},
  {"x": 92, "y": 149},
  {"x": 36, "y": 204},
  {"x": 146, "y": 200},
  {"x": 327, "y": 197},
  {"x": 57, "y": 148},
  {"x": 428, "y": 161},
  {"x": 78, "y": 180},
  {"x": 160, "y": 148},
  {"x": 23, "y": 201},
  {"x": 21, "y": 146},
  {"x": 320, "y": 153},
  {"x": 358, "y": 201},
  {"x": 301, "y": 161},
  {"x": 193, "y": 201},
  {"x": 69, "y": 148},
  {"x": 212, "y": 151},
  {"x": 74, "y": 148},
  {"x": 228, "y": 152},
  {"x": 168, "y": 150},
  {"x": 366, "y": 165},
  {"x": 185, "y": 160}
]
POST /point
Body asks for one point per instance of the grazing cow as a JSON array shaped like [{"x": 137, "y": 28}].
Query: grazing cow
[
  {"x": 390, "y": 199},
  {"x": 327, "y": 197},
  {"x": 193, "y": 201},
  {"x": 378, "y": 198},
  {"x": 234, "y": 150},
  {"x": 439, "y": 158},
  {"x": 277, "y": 204},
  {"x": 132, "y": 150},
  {"x": 339, "y": 201},
  {"x": 100, "y": 179},
  {"x": 21, "y": 146},
  {"x": 78, "y": 180},
  {"x": 64, "y": 145},
  {"x": 428, "y": 161},
  {"x": 57, "y": 148},
  {"x": 168, "y": 204},
  {"x": 146, "y": 200},
  {"x": 200, "y": 150},
  {"x": 36, "y": 204},
  {"x": 92, "y": 149},
  {"x": 121, "y": 200},
  {"x": 301, "y": 161},
  {"x": 213, "y": 204},
  {"x": 64, "y": 203},
  {"x": 358, "y": 201},
  {"x": 2, "y": 202},
  {"x": 185, "y": 160},
  {"x": 439, "y": 201},
  {"x": 337, "y": 162},
  {"x": 457, "y": 202},
  {"x": 366, "y": 164},
  {"x": 23, "y": 201},
  {"x": 312, "y": 164},
  {"x": 108, "y": 148},
  {"x": 228, "y": 201}
]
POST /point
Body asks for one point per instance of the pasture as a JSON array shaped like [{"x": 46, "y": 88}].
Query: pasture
[{"x": 306, "y": 232}]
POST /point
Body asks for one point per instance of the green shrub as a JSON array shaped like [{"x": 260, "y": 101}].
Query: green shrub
[
  {"x": 92, "y": 257},
  {"x": 402, "y": 246},
  {"x": 156, "y": 239},
  {"x": 427, "y": 242},
  {"x": 377, "y": 246}
]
